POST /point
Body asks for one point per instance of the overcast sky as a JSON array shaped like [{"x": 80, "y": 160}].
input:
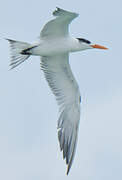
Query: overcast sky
[{"x": 29, "y": 148}]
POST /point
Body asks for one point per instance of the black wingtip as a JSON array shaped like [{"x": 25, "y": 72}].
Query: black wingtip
[
  {"x": 7, "y": 39},
  {"x": 68, "y": 168},
  {"x": 10, "y": 40}
]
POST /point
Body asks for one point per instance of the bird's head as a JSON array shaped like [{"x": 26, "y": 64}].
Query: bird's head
[{"x": 86, "y": 44}]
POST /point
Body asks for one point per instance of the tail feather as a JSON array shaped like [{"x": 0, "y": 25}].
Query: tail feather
[{"x": 17, "y": 57}]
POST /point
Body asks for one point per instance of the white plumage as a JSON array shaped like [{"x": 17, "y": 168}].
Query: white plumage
[
  {"x": 54, "y": 47},
  {"x": 60, "y": 78}
]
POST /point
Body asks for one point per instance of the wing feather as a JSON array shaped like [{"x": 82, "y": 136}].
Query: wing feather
[
  {"x": 61, "y": 80},
  {"x": 59, "y": 25}
]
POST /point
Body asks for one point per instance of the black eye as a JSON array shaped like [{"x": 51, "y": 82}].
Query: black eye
[{"x": 84, "y": 40}]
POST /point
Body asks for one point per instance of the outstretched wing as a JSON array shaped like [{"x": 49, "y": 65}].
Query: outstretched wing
[
  {"x": 59, "y": 25},
  {"x": 61, "y": 80}
]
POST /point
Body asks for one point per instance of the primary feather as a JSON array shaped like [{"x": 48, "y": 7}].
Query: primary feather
[
  {"x": 59, "y": 25},
  {"x": 61, "y": 80}
]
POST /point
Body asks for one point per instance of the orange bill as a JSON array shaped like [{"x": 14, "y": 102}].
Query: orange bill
[{"x": 98, "y": 46}]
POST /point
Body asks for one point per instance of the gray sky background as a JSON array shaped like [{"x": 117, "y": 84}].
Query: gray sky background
[{"x": 29, "y": 148}]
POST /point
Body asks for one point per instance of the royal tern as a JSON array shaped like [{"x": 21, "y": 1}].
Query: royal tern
[{"x": 54, "y": 47}]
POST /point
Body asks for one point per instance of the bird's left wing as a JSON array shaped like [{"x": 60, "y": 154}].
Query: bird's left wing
[
  {"x": 59, "y": 25},
  {"x": 61, "y": 80}
]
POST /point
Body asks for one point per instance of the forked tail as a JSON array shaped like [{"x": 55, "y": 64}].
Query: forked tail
[{"x": 17, "y": 55}]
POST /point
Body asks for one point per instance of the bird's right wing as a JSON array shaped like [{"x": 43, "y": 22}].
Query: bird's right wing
[
  {"x": 61, "y": 80},
  {"x": 59, "y": 25}
]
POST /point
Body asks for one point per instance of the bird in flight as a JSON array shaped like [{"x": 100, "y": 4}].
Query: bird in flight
[{"x": 54, "y": 47}]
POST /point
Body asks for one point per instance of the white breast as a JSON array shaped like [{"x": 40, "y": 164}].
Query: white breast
[{"x": 54, "y": 46}]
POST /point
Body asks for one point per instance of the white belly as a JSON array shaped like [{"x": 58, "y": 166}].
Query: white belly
[{"x": 54, "y": 46}]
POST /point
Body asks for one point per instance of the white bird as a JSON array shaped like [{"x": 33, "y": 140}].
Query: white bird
[{"x": 54, "y": 47}]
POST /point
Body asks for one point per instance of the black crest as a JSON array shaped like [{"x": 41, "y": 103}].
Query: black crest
[{"x": 84, "y": 40}]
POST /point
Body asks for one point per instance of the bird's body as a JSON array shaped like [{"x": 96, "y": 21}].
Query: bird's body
[{"x": 54, "y": 47}]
